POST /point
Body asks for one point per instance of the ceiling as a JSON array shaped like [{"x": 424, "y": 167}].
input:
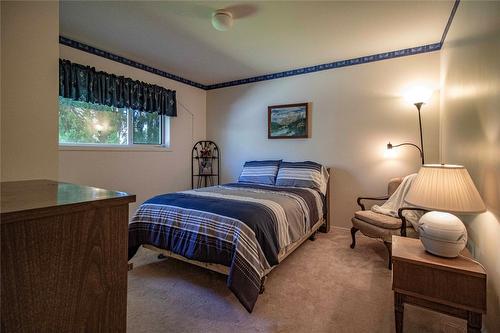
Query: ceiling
[{"x": 267, "y": 37}]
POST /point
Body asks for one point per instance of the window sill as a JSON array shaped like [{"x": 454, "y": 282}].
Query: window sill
[{"x": 114, "y": 148}]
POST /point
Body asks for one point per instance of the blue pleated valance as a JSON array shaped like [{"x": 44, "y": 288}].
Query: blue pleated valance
[{"x": 84, "y": 83}]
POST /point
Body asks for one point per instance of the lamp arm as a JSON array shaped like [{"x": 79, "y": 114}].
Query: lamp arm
[
  {"x": 414, "y": 145},
  {"x": 408, "y": 144}
]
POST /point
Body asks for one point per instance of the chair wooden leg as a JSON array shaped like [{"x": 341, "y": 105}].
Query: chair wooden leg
[
  {"x": 353, "y": 235},
  {"x": 389, "y": 249}
]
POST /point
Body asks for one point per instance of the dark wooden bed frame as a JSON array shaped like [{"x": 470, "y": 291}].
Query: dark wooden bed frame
[{"x": 322, "y": 225}]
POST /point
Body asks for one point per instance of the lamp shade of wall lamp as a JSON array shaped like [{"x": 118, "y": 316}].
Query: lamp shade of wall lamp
[{"x": 445, "y": 189}]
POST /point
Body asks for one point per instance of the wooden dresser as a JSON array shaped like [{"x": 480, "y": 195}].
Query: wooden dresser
[
  {"x": 64, "y": 257},
  {"x": 453, "y": 286}
]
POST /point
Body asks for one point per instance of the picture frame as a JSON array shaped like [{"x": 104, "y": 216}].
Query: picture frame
[{"x": 288, "y": 121}]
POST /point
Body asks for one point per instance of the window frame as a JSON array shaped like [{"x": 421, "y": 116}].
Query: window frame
[{"x": 164, "y": 146}]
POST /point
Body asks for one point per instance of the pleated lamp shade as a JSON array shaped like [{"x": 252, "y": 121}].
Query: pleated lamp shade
[{"x": 446, "y": 188}]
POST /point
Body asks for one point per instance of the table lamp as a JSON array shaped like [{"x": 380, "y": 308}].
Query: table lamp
[{"x": 444, "y": 189}]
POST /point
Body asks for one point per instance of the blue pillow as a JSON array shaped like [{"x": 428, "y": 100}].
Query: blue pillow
[
  {"x": 259, "y": 172},
  {"x": 303, "y": 174}
]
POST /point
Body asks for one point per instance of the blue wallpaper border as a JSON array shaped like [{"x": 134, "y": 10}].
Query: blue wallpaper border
[
  {"x": 331, "y": 65},
  {"x": 272, "y": 76},
  {"x": 111, "y": 56}
]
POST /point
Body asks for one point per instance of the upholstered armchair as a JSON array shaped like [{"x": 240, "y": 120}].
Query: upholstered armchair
[{"x": 382, "y": 226}]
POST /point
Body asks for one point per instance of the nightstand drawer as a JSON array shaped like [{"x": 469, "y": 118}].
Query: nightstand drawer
[
  {"x": 453, "y": 286},
  {"x": 432, "y": 283}
]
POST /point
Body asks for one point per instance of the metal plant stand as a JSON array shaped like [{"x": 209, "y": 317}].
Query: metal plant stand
[{"x": 205, "y": 164}]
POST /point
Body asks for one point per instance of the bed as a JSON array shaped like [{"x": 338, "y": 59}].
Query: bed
[{"x": 242, "y": 230}]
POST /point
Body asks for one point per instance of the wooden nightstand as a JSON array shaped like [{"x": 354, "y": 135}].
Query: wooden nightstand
[{"x": 456, "y": 287}]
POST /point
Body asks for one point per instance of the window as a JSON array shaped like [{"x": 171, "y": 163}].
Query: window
[{"x": 95, "y": 125}]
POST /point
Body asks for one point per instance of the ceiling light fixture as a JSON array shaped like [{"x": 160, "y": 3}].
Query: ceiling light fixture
[{"x": 222, "y": 20}]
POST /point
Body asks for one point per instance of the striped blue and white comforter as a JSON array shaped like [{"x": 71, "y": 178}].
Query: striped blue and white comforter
[{"x": 242, "y": 226}]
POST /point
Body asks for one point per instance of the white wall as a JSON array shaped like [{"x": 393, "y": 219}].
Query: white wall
[
  {"x": 470, "y": 102},
  {"x": 144, "y": 173},
  {"x": 29, "y": 34},
  {"x": 355, "y": 111}
]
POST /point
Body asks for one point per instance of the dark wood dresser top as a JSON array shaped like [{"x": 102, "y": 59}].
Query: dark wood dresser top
[{"x": 38, "y": 195}]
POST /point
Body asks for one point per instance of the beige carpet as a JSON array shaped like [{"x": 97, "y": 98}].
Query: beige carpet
[{"x": 324, "y": 286}]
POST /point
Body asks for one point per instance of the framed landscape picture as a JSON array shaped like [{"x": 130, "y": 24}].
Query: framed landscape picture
[{"x": 288, "y": 121}]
